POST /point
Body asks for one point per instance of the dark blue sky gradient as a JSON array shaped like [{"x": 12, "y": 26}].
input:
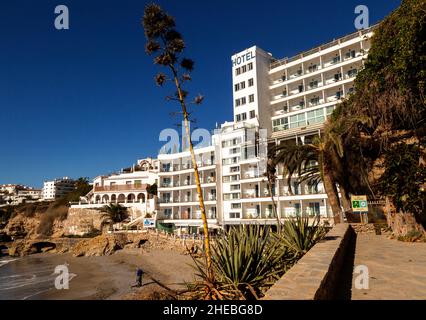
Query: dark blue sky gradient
[{"x": 82, "y": 102}]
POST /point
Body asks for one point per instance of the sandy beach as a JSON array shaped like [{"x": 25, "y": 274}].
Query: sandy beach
[{"x": 108, "y": 277}]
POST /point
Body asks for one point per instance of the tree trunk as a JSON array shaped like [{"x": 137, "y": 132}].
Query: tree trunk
[
  {"x": 197, "y": 180},
  {"x": 274, "y": 205},
  {"x": 402, "y": 223},
  {"x": 346, "y": 204},
  {"x": 332, "y": 194}
]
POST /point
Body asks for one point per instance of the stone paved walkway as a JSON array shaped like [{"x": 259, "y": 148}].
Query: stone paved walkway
[{"x": 397, "y": 270}]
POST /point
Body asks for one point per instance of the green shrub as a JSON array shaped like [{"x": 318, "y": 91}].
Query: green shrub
[
  {"x": 246, "y": 261},
  {"x": 298, "y": 235}
]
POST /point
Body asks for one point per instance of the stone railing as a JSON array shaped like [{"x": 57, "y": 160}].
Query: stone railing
[{"x": 324, "y": 272}]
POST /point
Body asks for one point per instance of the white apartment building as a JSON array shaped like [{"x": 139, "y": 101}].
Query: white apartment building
[
  {"x": 57, "y": 188},
  {"x": 274, "y": 101},
  {"x": 14, "y": 194},
  {"x": 177, "y": 192},
  {"x": 129, "y": 188}
]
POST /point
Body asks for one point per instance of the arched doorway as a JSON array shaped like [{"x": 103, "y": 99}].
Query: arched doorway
[
  {"x": 131, "y": 197},
  {"x": 141, "y": 196},
  {"x": 121, "y": 198},
  {"x": 97, "y": 198},
  {"x": 105, "y": 198},
  {"x": 113, "y": 198}
]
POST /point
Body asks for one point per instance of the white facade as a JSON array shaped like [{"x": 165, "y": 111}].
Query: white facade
[
  {"x": 273, "y": 101},
  {"x": 177, "y": 193},
  {"x": 129, "y": 188},
  {"x": 57, "y": 188},
  {"x": 13, "y": 194}
]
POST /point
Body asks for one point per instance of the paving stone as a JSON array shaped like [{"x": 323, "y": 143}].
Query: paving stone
[{"x": 397, "y": 270}]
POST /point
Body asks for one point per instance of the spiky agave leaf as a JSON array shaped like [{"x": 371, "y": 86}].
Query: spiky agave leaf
[{"x": 299, "y": 236}]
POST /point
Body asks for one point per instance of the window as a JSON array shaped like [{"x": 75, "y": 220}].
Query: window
[
  {"x": 168, "y": 212},
  {"x": 250, "y": 82},
  {"x": 235, "y": 187},
  {"x": 231, "y": 142},
  {"x": 313, "y": 84},
  {"x": 228, "y": 161},
  {"x": 297, "y": 121},
  {"x": 250, "y": 66},
  {"x": 237, "y": 102},
  {"x": 251, "y": 98},
  {"x": 244, "y": 116},
  {"x": 315, "y": 101},
  {"x": 339, "y": 94},
  {"x": 336, "y": 59},
  {"x": 231, "y": 196},
  {"x": 315, "y": 116},
  {"x": 313, "y": 68},
  {"x": 243, "y": 100},
  {"x": 301, "y": 88},
  {"x": 280, "y": 124},
  {"x": 236, "y": 206},
  {"x": 329, "y": 110},
  {"x": 252, "y": 114},
  {"x": 231, "y": 178},
  {"x": 352, "y": 73},
  {"x": 234, "y": 169},
  {"x": 243, "y": 69},
  {"x": 237, "y": 71},
  {"x": 237, "y": 87},
  {"x": 337, "y": 77},
  {"x": 243, "y": 85},
  {"x": 350, "y": 54},
  {"x": 234, "y": 215},
  {"x": 238, "y": 117}
]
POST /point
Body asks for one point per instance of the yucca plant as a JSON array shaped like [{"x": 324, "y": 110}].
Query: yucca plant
[
  {"x": 298, "y": 235},
  {"x": 246, "y": 260}
]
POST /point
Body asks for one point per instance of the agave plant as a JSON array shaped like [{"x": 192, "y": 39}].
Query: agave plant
[
  {"x": 298, "y": 235},
  {"x": 246, "y": 259}
]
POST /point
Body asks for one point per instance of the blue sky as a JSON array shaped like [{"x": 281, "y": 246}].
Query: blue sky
[{"x": 82, "y": 102}]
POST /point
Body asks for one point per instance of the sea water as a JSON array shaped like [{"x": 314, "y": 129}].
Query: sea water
[{"x": 26, "y": 277}]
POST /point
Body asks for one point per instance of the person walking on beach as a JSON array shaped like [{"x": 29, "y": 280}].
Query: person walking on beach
[{"x": 139, "y": 273}]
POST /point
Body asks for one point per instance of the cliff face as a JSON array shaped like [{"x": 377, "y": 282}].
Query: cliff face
[
  {"x": 82, "y": 221},
  {"x": 21, "y": 226},
  {"x": 39, "y": 224},
  {"x": 37, "y": 221}
]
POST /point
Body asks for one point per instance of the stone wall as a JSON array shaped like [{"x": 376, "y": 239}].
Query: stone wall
[
  {"x": 82, "y": 221},
  {"x": 325, "y": 272}
]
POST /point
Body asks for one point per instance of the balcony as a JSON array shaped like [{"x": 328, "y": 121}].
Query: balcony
[
  {"x": 250, "y": 175},
  {"x": 251, "y": 214},
  {"x": 120, "y": 187}
]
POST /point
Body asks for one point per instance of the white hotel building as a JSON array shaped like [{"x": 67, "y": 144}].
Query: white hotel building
[
  {"x": 129, "y": 188},
  {"x": 278, "y": 100}
]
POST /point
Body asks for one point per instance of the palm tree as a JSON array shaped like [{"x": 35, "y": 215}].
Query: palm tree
[
  {"x": 271, "y": 178},
  {"x": 312, "y": 163},
  {"x": 113, "y": 213},
  {"x": 167, "y": 43}
]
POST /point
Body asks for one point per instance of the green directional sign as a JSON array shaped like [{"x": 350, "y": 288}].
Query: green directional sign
[{"x": 359, "y": 203}]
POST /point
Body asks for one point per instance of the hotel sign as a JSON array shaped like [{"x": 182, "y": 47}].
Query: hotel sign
[
  {"x": 359, "y": 203},
  {"x": 243, "y": 58}
]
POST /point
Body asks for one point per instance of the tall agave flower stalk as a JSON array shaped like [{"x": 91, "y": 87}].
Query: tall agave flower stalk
[{"x": 168, "y": 45}]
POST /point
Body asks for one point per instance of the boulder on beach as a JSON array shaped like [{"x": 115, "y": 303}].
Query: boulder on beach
[{"x": 106, "y": 244}]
